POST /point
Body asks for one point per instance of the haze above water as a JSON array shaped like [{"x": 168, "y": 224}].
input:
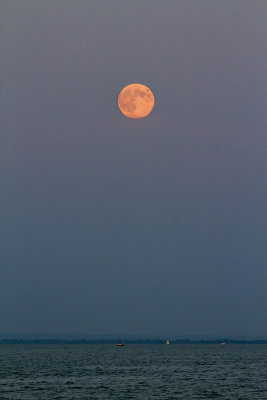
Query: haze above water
[{"x": 111, "y": 225}]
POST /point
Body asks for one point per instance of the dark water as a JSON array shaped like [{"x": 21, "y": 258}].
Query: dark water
[{"x": 133, "y": 372}]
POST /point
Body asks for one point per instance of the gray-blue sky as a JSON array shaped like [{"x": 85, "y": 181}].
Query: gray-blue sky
[{"x": 142, "y": 226}]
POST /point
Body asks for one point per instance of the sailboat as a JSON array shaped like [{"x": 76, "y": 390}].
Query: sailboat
[
  {"x": 121, "y": 343},
  {"x": 167, "y": 342}
]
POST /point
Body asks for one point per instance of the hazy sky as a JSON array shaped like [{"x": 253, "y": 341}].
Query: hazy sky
[{"x": 150, "y": 226}]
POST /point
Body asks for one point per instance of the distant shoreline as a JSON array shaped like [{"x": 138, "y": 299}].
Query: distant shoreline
[{"x": 144, "y": 341}]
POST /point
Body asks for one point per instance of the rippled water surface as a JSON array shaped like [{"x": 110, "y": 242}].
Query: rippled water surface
[{"x": 133, "y": 372}]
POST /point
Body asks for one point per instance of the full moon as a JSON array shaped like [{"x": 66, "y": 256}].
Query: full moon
[{"x": 136, "y": 101}]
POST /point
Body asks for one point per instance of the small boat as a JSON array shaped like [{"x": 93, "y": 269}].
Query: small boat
[
  {"x": 121, "y": 343},
  {"x": 167, "y": 342}
]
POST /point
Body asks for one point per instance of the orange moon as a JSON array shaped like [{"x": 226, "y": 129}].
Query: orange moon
[{"x": 136, "y": 101}]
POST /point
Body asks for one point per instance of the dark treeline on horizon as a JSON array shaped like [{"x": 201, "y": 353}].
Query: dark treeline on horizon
[{"x": 139, "y": 341}]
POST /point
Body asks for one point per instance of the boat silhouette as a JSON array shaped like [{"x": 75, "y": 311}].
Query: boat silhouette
[{"x": 121, "y": 343}]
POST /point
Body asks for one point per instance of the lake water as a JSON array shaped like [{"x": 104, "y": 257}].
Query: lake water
[{"x": 97, "y": 372}]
